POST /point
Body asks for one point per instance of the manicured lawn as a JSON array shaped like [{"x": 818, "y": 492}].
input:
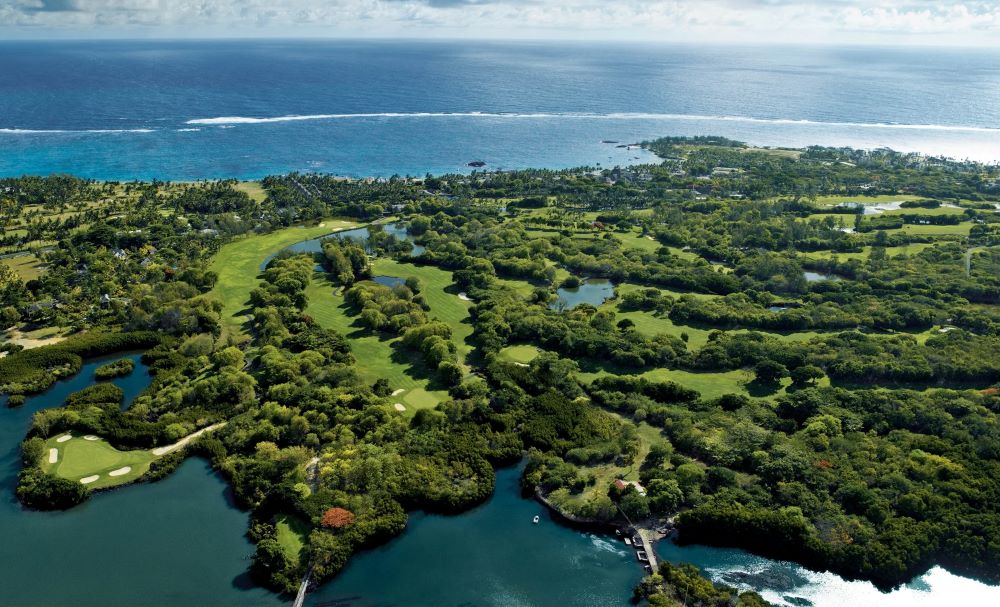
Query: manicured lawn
[
  {"x": 292, "y": 534},
  {"x": 253, "y": 189},
  {"x": 909, "y": 249},
  {"x": 80, "y": 458},
  {"x": 523, "y": 354},
  {"x": 439, "y": 292},
  {"x": 378, "y": 355},
  {"x": 238, "y": 265},
  {"x": 961, "y": 229},
  {"x": 28, "y": 267}
]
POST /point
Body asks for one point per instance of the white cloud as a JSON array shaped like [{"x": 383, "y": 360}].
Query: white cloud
[{"x": 916, "y": 21}]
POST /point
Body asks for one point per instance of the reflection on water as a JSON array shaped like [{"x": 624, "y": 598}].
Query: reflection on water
[
  {"x": 314, "y": 245},
  {"x": 593, "y": 291}
]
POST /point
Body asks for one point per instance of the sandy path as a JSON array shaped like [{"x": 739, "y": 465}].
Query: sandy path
[
  {"x": 89, "y": 479},
  {"x": 120, "y": 471},
  {"x": 187, "y": 439},
  {"x": 63, "y": 438},
  {"x": 53, "y": 455},
  {"x": 399, "y": 407}
]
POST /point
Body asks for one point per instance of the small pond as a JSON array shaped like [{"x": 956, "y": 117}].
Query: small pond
[
  {"x": 817, "y": 277},
  {"x": 389, "y": 281},
  {"x": 314, "y": 245},
  {"x": 593, "y": 291}
]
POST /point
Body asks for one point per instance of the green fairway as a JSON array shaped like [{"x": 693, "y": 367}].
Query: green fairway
[
  {"x": 238, "y": 265},
  {"x": 80, "y": 458},
  {"x": 292, "y": 534},
  {"x": 253, "y": 189},
  {"x": 961, "y": 229},
  {"x": 28, "y": 267},
  {"x": 441, "y": 296},
  {"x": 378, "y": 355}
]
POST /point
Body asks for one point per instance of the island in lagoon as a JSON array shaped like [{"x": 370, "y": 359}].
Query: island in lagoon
[{"x": 726, "y": 345}]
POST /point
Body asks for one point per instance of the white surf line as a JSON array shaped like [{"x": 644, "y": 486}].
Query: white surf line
[
  {"x": 83, "y": 131},
  {"x": 53, "y": 455},
  {"x": 187, "y": 439},
  {"x": 120, "y": 471},
  {"x": 234, "y": 120},
  {"x": 89, "y": 479},
  {"x": 64, "y": 438}
]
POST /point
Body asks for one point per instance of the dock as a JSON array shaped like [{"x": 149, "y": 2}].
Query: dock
[{"x": 646, "y": 546}]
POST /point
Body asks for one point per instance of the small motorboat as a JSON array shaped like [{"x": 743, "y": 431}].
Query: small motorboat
[{"x": 535, "y": 520}]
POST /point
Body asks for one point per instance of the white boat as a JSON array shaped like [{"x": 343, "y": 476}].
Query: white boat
[{"x": 535, "y": 520}]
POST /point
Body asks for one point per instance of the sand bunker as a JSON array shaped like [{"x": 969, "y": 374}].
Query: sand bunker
[
  {"x": 89, "y": 479},
  {"x": 53, "y": 455},
  {"x": 63, "y": 438},
  {"x": 399, "y": 407},
  {"x": 397, "y": 392},
  {"x": 90, "y": 437},
  {"x": 322, "y": 225},
  {"x": 464, "y": 297},
  {"x": 120, "y": 471}
]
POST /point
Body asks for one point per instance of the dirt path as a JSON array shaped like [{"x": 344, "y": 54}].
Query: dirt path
[{"x": 187, "y": 439}]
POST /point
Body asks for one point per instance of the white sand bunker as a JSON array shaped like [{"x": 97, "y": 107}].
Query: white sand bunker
[
  {"x": 89, "y": 479},
  {"x": 322, "y": 225},
  {"x": 63, "y": 438},
  {"x": 90, "y": 437},
  {"x": 464, "y": 297},
  {"x": 53, "y": 455},
  {"x": 399, "y": 407},
  {"x": 120, "y": 471},
  {"x": 398, "y": 392}
]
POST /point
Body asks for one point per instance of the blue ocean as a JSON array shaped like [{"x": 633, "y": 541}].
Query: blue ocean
[{"x": 244, "y": 109}]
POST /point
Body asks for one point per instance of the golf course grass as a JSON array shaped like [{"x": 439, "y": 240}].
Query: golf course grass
[
  {"x": 238, "y": 265},
  {"x": 379, "y": 355},
  {"x": 80, "y": 458},
  {"x": 292, "y": 534},
  {"x": 522, "y": 354}
]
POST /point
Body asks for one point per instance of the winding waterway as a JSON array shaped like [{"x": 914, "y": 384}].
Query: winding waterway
[
  {"x": 177, "y": 542},
  {"x": 181, "y": 542}
]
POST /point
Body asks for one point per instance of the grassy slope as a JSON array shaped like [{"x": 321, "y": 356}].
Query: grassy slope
[{"x": 238, "y": 265}]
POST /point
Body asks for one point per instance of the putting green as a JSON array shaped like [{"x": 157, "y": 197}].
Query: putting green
[
  {"x": 79, "y": 458},
  {"x": 522, "y": 354}
]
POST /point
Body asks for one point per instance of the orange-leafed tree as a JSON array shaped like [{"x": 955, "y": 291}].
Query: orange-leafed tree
[{"x": 337, "y": 518}]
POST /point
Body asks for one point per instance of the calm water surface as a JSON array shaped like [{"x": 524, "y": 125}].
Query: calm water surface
[
  {"x": 593, "y": 291},
  {"x": 177, "y": 542}
]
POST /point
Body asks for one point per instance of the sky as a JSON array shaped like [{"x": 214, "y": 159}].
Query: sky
[{"x": 893, "y": 22}]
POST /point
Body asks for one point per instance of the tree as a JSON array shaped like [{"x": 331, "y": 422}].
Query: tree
[
  {"x": 806, "y": 374},
  {"x": 770, "y": 372},
  {"x": 337, "y": 518}
]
